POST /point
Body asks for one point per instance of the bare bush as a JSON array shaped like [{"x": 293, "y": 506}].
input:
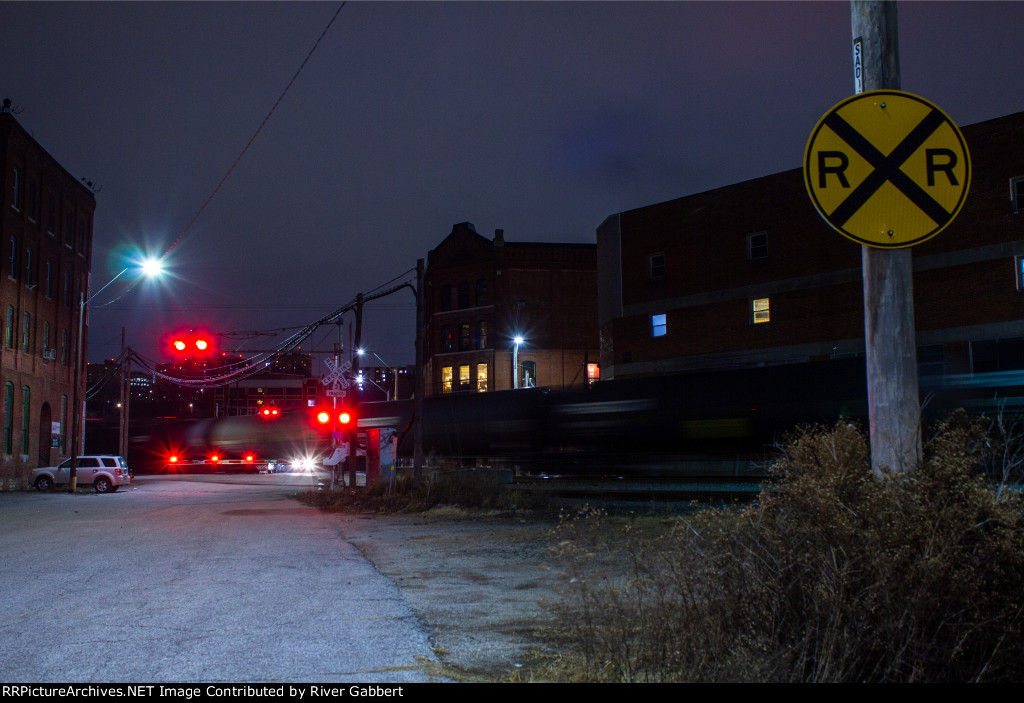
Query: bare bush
[{"x": 834, "y": 575}]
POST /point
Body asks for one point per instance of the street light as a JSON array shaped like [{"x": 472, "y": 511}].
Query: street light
[
  {"x": 515, "y": 361},
  {"x": 147, "y": 267},
  {"x": 392, "y": 369}
]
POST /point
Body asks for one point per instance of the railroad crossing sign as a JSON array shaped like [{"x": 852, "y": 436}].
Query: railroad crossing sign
[
  {"x": 887, "y": 169},
  {"x": 335, "y": 380}
]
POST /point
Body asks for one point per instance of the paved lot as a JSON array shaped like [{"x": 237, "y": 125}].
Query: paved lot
[{"x": 219, "y": 580}]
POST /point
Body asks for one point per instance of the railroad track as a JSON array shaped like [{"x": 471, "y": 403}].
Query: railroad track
[{"x": 646, "y": 489}]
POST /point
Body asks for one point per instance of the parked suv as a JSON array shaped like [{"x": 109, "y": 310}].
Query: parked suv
[{"x": 105, "y": 472}]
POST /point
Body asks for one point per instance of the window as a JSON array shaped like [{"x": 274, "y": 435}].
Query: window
[
  {"x": 67, "y": 289},
  {"x": 656, "y": 265},
  {"x": 659, "y": 325},
  {"x": 26, "y": 324},
  {"x": 12, "y": 261},
  {"x": 481, "y": 334},
  {"x": 9, "y": 328},
  {"x": 481, "y": 378},
  {"x": 48, "y": 281},
  {"x": 757, "y": 246},
  {"x": 447, "y": 339},
  {"x": 64, "y": 347},
  {"x": 9, "y": 418},
  {"x": 464, "y": 377},
  {"x": 1017, "y": 193},
  {"x": 16, "y": 195},
  {"x": 51, "y": 215},
  {"x": 30, "y": 279},
  {"x": 463, "y": 295},
  {"x": 81, "y": 238},
  {"x": 46, "y": 336},
  {"x": 593, "y": 373},
  {"x": 63, "y": 425},
  {"x": 446, "y": 379},
  {"x": 464, "y": 338},
  {"x": 481, "y": 293},
  {"x": 760, "y": 311},
  {"x": 529, "y": 374},
  {"x": 26, "y": 401},
  {"x": 446, "y": 298}
]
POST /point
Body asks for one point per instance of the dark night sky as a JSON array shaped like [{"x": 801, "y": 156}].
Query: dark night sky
[{"x": 538, "y": 118}]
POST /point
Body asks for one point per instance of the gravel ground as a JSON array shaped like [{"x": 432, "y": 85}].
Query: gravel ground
[{"x": 478, "y": 583}]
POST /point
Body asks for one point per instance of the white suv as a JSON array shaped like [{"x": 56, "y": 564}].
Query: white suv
[{"x": 105, "y": 472}]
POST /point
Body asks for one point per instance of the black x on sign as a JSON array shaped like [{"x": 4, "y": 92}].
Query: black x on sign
[{"x": 887, "y": 169}]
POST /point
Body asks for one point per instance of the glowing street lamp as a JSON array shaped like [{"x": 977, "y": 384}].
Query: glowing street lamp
[
  {"x": 148, "y": 267},
  {"x": 515, "y": 361}
]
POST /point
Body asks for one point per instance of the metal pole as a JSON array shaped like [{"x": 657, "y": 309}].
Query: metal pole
[
  {"x": 889, "y": 332},
  {"x": 75, "y": 412}
]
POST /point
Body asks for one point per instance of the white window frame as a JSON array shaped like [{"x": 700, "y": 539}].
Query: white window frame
[
  {"x": 659, "y": 325},
  {"x": 762, "y": 245},
  {"x": 760, "y": 311}
]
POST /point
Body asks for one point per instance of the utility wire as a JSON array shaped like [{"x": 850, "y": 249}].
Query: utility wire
[{"x": 255, "y": 134}]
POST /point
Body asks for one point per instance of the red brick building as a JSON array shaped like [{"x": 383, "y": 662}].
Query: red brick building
[
  {"x": 482, "y": 293},
  {"x": 46, "y": 217},
  {"x": 751, "y": 275}
]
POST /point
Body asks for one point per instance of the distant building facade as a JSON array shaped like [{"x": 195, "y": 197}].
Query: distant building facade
[
  {"x": 46, "y": 221},
  {"x": 483, "y": 293},
  {"x": 750, "y": 275}
]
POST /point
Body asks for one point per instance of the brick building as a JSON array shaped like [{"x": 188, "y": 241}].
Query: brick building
[
  {"x": 46, "y": 218},
  {"x": 750, "y": 275},
  {"x": 482, "y": 293}
]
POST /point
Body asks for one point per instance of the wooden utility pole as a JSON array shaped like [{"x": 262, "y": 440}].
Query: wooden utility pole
[
  {"x": 420, "y": 380},
  {"x": 353, "y": 432},
  {"x": 889, "y": 332}
]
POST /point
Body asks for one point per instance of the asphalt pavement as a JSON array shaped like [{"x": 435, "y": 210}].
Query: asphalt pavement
[{"x": 218, "y": 579}]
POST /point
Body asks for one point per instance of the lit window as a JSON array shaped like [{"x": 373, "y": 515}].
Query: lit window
[
  {"x": 1017, "y": 193},
  {"x": 446, "y": 379},
  {"x": 9, "y": 328},
  {"x": 593, "y": 373},
  {"x": 26, "y": 324},
  {"x": 464, "y": 377},
  {"x": 757, "y": 246},
  {"x": 1018, "y": 265},
  {"x": 761, "y": 310},
  {"x": 481, "y": 378},
  {"x": 659, "y": 325},
  {"x": 656, "y": 264}
]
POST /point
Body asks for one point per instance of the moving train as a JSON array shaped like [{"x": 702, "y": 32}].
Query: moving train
[{"x": 713, "y": 423}]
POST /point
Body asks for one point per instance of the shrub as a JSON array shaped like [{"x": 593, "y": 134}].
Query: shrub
[{"x": 834, "y": 575}]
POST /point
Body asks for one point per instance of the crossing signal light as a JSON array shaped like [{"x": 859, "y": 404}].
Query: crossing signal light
[
  {"x": 344, "y": 417},
  {"x": 191, "y": 344},
  {"x": 270, "y": 413}
]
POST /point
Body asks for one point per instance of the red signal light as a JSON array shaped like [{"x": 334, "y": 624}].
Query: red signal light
[
  {"x": 249, "y": 458},
  {"x": 323, "y": 417},
  {"x": 179, "y": 345},
  {"x": 344, "y": 417},
  {"x": 201, "y": 344}
]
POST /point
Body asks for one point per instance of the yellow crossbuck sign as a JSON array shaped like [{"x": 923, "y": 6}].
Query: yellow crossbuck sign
[{"x": 887, "y": 169}]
